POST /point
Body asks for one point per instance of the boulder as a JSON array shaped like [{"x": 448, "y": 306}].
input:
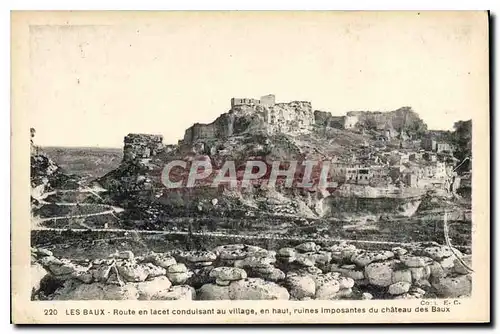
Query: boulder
[
  {"x": 342, "y": 252},
  {"x": 37, "y": 273},
  {"x": 222, "y": 282},
  {"x": 344, "y": 293},
  {"x": 269, "y": 273},
  {"x": 41, "y": 252},
  {"x": 399, "y": 251},
  {"x": 228, "y": 273},
  {"x": 179, "y": 292},
  {"x": 133, "y": 272},
  {"x": 345, "y": 282},
  {"x": 380, "y": 273},
  {"x": 399, "y": 288},
  {"x": 403, "y": 275},
  {"x": 200, "y": 277},
  {"x": 417, "y": 291},
  {"x": 407, "y": 296},
  {"x": 213, "y": 292},
  {"x": 366, "y": 296},
  {"x": 256, "y": 289},
  {"x": 459, "y": 268},
  {"x": 322, "y": 258},
  {"x": 114, "y": 277},
  {"x": 448, "y": 263},
  {"x": 348, "y": 270},
  {"x": 198, "y": 256},
  {"x": 156, "y": 289},
  {"x": 177, "y": 268},
  {"x": 162, "y": 260},
  {"x": 413, "y": 261},
  {"x": 308, "y": 247},
  {"x": 306, "y": 260},
  {"x": 287, "y": 252},
  {"x": 310, "y": 270},
  {"x": 98, "y": 291},
  {"x": 453, "y": 286},
  {"x": 327, "y": 286},
  {"x": 437, "y": 253},
  {"x": 101, "y": 272},
  {"x": 154, "y": 271},
  {"x": 83, "y": 275},
  {"x": 63, "y": 267},
  {"x": 436, "y": 270},
  {"x": 234, "y": 254},
  {"x": 253, "y": 261},
  {"x": 201, "y": 264},
  {"x": 301, "y": 286},
  {"x": 47, "y": 261},
  {"x": 178, "y": 278},
  {"x": 227, "y": 248},
  {"x": 365, "y": 258},
  {"x": 420, "y": 274}
]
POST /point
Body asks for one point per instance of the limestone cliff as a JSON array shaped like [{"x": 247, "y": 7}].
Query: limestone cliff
[{"x": 402, "y": 119}]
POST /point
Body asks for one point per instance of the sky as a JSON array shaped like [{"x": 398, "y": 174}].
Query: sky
[{"x": 93, "y": 83}]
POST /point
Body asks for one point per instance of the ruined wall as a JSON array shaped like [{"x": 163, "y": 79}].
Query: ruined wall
[
  {"x": 268, "y": 100},
  {"x": 235, "y": 101},
  {"x": 222, "y": 127}
]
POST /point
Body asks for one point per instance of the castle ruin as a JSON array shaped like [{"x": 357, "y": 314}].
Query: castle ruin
[{"x": 249, "y": 114}]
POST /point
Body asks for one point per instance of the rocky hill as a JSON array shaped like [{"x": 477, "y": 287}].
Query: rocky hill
[
  {"x": 279, "y": 132},
  {"x": 46, "y": 176}
]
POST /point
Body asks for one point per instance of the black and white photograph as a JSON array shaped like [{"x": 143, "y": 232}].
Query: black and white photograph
[{"x": 232, "y": 156}]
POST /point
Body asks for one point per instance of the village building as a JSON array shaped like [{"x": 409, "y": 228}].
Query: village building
[{"x": 430, "y": 144}]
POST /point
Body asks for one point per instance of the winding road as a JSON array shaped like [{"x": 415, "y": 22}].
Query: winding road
[{"x": 112, "y": 210}]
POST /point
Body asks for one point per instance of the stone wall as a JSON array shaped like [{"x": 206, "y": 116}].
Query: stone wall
[
  {"x": 220, "y": 128},
  {"x": 244, "y": 272}
]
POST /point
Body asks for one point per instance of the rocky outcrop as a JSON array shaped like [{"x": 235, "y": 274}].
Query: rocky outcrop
[
  {"x": 46, "y": 175},
  {"x": 326, "y": 119},
  {"x": 141, "y": 146},
  {"x": 402, "y": 119},
  {"x": 239, "y": 271}
]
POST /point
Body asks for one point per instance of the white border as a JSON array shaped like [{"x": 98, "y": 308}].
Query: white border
[{"x": 6, "y": 6}]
